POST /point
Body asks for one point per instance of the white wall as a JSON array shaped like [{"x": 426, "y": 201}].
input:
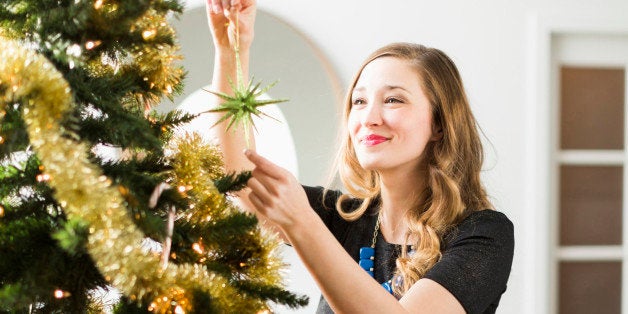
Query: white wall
[{"x": 490, "y": 40}]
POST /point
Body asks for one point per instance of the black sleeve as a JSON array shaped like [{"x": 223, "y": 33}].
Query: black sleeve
[
  {"x": 324, "y": 204},
  {"x": 476, "y": 260}
]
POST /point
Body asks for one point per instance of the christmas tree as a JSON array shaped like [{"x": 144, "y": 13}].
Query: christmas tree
[{"x": 78, "y": 77}]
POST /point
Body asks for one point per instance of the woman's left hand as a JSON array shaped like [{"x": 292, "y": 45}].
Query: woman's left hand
[{"x": 276, "y": 193}]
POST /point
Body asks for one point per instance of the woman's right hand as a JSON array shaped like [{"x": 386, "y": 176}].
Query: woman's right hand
[{"x": 222, "y": 16}]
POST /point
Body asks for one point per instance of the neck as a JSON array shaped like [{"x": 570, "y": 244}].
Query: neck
[{"x": 398, "y": 195}]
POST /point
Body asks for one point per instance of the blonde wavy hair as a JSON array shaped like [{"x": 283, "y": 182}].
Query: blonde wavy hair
[{"x": 453, "y": 163}]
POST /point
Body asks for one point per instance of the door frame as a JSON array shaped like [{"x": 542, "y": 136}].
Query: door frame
[{"x": 539, "y": 216}]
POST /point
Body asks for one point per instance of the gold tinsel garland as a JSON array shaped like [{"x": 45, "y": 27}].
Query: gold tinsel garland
[{"x": 82, "y": 190}]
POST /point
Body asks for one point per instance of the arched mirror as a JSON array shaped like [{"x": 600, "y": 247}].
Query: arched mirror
[{"x": 279, "y": 53}]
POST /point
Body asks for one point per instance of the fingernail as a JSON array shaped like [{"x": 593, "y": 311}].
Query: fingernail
[{"x": 247, "y": 152}]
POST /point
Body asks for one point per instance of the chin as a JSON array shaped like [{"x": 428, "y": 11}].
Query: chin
[{"x": 370, "y": 165}]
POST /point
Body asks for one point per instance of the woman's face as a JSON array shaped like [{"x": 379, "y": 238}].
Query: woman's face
[{"x": 390, "y": 120}]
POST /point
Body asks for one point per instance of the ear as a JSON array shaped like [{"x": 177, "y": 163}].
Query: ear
[{"x": 437, "y": 133}]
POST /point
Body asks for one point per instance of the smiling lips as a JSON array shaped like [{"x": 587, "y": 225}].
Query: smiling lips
[{"x": 372, "y": 140}]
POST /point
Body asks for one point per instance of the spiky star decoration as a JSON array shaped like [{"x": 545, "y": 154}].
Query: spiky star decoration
[{"x": 240, "y": 107}]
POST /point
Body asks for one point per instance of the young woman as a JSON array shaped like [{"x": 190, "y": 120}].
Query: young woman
[{"x": 415, "y": 232}]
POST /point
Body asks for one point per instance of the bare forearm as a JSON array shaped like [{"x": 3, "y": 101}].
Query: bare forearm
[
  {"x": 346, "y": 286},
  {"x": 232, "y": 142}
]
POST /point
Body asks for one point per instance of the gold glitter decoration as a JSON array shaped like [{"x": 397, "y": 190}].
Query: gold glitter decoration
[
  {"x": 153, "y": 60},
  {"x": 156, "y": 62},
  {"x": 114, "y": 242}
]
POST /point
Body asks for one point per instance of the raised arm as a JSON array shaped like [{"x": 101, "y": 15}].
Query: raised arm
[{"x": 222, "y": 15}]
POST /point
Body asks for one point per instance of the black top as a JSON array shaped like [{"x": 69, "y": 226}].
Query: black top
[{"x": 476, "y": 254}]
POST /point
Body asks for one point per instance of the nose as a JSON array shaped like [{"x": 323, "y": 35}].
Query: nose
[{"x": 372, "y": 115}]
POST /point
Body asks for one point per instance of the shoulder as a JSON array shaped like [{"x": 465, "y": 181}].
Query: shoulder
[
  {"x": 489, "y": 224},
  {"x": 322, "y": 199},
  {"x": 486, "y": 217},
  {"x": 351, "y": 234},
  {"x": 323, "y": 202}
]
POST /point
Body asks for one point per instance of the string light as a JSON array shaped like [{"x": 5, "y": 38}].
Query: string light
[
  {"x": 152, "y": 306},
  {"x": 1, "y": 211},
  {"x": 60, "y": 294},
  {"x": 92, "y": 44},
  {"x": 149, "y": 34},
  {"x": 98, "y": 4},
  {"x": 1, "y": 140},
  {"x": 184, "y": 188},
  {"x": 179, "y": 310},
  {"x": 43, "y": 177},
  {"x": 197, "y": 247}
]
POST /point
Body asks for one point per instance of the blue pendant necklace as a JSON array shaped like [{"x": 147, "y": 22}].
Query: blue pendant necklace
[{"x": 367, "y": 259}]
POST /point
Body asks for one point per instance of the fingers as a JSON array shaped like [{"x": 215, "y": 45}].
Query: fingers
[
  {"x": 231, "y": 4},
  {"x": 259, "y": 195},
  {"x": 264, "y": 165},
  {"x": 214, "y": 6},
  {"x": 257, "y": 203},
  {"x": 220, "y": 6}
]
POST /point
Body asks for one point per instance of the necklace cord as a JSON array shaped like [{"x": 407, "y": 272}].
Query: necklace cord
[{"x": 376, "y": 231}]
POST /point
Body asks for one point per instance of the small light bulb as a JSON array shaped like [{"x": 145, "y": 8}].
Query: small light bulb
[
  {"x": 43, "y": 177},
  {"x": 149, "y": 34},
  {"x": 60, "y": 294},
  {"x": 197, "y": 247},
  {"x": 92, "y": 44},
  {"x": 179, "y": 310}
]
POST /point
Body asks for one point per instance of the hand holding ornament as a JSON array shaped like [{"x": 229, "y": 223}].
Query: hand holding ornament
[
  {"x": 228, "y": 18},
  {"x": 276, "y": 193}
]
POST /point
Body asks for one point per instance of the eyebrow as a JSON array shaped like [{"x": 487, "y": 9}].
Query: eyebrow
[{"x": 387, "y": 87}]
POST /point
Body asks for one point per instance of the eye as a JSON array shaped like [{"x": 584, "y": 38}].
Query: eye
[
  {"x": 358, "y": 102},
  {"x": 391, "y": 100}
]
